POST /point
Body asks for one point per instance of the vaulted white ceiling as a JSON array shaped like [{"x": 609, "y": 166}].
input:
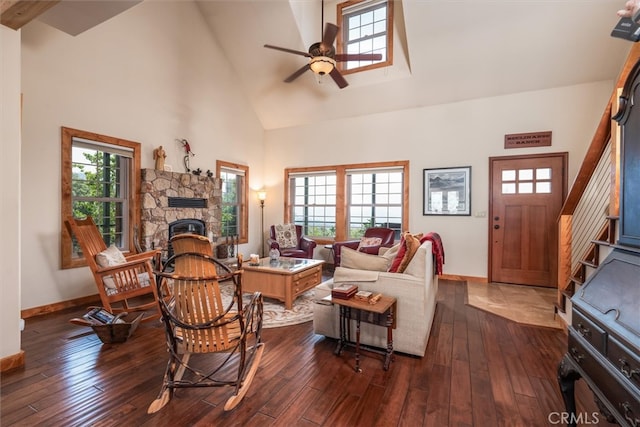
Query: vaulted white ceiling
[{"x": 444, "y": 51}]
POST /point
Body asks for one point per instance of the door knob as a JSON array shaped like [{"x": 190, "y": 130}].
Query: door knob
[
  {"x": 496, "y": 226},
  {"x": 496, "y": 218}
]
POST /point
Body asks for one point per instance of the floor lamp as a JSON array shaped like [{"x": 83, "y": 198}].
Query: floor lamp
[{"x": 262, "y": 195}]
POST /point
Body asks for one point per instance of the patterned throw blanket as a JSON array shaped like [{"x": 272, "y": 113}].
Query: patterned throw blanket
[{"x": 437, "y": 249}]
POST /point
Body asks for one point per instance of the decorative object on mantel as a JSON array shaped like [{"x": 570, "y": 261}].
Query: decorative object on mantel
[
  {"x": 188, "y": 152},
  {"x": 526, "y": 140},
  {"x": 209, "y": 173},
  {"x": 159, "y": 155},
  {"x": 197, "y": 172}
]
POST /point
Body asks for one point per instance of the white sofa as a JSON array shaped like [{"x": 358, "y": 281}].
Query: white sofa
[{"x": 415, "y": 291}]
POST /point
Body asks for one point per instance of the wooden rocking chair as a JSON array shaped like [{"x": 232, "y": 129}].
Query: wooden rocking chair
[
  {"x": 121, "y": 278},
  {"x": 188, "y": 242},
  {"x": 198, "y": 322}
]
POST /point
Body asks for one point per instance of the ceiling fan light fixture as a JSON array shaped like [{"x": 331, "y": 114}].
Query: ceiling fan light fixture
[{"x": 322, "y": 65}]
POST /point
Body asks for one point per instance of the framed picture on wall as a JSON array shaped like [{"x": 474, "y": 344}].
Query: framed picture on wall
[{"x": 447, "y": 191}]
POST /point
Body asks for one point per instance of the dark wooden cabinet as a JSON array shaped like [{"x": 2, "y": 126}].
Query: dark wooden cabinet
[{"x": 629, "y": 119}]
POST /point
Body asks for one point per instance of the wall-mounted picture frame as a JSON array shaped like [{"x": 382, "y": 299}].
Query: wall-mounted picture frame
[{"x": 447, "y": 191}]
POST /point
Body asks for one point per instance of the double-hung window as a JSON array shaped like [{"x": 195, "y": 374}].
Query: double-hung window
[
  {"x": 335, "y": 203},
  {"x": 234, "y": 199},
  {"x": 99, "y": 179},
  {"x": 313, "y": 202},
  {"x": 375, "y": 199},
  {"x": 366, "y": 27}
]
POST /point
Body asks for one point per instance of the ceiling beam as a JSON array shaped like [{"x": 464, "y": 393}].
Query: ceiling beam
[{"x": 17, "y": 13}]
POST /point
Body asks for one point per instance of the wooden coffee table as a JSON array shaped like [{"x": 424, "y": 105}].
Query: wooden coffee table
[{"x": 283, "y": 279}]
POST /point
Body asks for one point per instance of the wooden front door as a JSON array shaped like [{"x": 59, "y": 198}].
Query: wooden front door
[{"x": 526, "y": 195}]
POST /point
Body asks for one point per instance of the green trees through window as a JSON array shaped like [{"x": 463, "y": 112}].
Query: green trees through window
[{"x": 100, "y": 178}]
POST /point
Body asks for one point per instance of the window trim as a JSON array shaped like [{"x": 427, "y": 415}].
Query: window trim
[
  {"x": 67, "y": 135},
  {"x": 244, "y": 211},
  {"x": 340, "y": 40},
  {"x": 342, "y": 199}
]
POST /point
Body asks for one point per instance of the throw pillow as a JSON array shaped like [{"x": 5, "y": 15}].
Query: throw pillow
[
  {"x": 110, "y": 257},
  {"x": 350, "y": 258},
  {"x": 390, "y": 253},
  {"x": 369, "y": 241},
  {"x": 409, "y": 244},
  {"x": 286, "y": 236}
]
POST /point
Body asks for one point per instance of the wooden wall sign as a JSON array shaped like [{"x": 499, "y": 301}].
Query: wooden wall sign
[{"x": 526, "y": 140}]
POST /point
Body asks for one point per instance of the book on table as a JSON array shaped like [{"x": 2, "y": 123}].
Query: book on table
[
  {"x": 363, "y": 295},
  {"x": 344, "y": 291}
]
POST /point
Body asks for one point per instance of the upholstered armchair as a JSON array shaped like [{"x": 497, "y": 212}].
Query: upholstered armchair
[
  {"x": 386, "y": 236},
  {"x": 281, "y": 238}
]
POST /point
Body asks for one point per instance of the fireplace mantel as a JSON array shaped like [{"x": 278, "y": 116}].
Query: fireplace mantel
[{"x": 156, "y": 189}]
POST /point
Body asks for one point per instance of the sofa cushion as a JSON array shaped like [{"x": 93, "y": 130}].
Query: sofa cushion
[
  {"x": 409, "y": 244},
  {"x": 369, "y": 241},
  {"x": 286, "y": 235},
  {"x": 361, "y": 261},
  {"x": 110, "y": 257}
]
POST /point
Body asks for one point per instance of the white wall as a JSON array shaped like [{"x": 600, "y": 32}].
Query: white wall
[
  {"x": 459, "y": 134},
  {"x": 152, "y": 74},
  {"x": 10, "y": 189}
]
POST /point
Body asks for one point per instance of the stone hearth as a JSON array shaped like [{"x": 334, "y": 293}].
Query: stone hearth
[{"x": 158, "y": 186}]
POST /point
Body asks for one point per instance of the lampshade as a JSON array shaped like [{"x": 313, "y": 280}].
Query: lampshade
[
  {"x": 322, "y": 65},
  {"x": 262, "y": 195}
]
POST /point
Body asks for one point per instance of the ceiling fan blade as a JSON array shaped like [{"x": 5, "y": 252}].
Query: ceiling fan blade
[
  {"x": 338, "y": 78},
  {"x": 297, "y": 74},
  {"x": 342, "y": 57},
  {"x": 329, "y": 36},
  {"x": 284, "y": 49}
]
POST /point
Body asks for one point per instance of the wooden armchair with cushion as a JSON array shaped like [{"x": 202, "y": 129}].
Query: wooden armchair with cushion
[
  {"x": 374, "y": 238},
  {"x": 118, "y": 278},
  {"x": 289, "y": 241}
]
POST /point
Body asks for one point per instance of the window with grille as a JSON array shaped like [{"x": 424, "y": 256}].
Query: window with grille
[
  {"x": 313, "y": 202},
  {"x": 99, "y": 180},
  {"x": 234, "y": 199},
  {"x": 526, "y": 181},
  {"x": 335, "y": 203},
  {"x": 375, "y": 200},
  {"x": 366, "y": 27}
]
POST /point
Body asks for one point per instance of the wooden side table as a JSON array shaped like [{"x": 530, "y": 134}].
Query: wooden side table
[{"x": 383, "y": 313}]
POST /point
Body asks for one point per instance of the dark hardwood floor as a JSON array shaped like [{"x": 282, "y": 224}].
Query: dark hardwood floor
[{"x": 479, "y": 370}]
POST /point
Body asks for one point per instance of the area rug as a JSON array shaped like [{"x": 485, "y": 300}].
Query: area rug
[
  {"x": 528, "y": 305},
  {"x": 275, "y": 315}
]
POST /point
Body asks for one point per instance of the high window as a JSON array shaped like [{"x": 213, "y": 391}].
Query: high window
[
  {"x": 235, "y": 180},
  {"x": 334, "y": 203},
  {"x": 99, "y": 179},
  {"x": 366, "y": 27}
]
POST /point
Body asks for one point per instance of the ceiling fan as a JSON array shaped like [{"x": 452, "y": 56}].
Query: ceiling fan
[{"x": 323, "y": 58}]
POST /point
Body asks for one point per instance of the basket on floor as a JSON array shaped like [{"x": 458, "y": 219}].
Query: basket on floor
[{"x": 118, "y": 332}]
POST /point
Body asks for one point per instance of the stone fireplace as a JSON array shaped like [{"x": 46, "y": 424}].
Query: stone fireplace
[{"x": 168, "y": 197}]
